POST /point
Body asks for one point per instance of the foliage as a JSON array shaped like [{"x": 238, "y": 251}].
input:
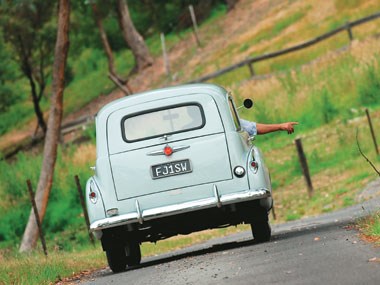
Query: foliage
[
  {"x": 167, "y": 16},
  {"x": 16, "y": 116},
  {"x": 29, "y": 27},
  {"x": 7, "y": 76},
  {"x": 90, "y": 133},
  {"x": 369, "y": 88},
  {"x": 327, "y": 107},
  {"x": 63, "y": 212}
]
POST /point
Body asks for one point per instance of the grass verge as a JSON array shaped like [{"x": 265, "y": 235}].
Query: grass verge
[
  {"x": 370, "y": 228},
  {"x": 37, "y": 269}
]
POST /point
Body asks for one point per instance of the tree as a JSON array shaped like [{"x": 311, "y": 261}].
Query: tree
[
  {"x": 132, "y": 37},
  {"x": 27, "y": 27},
  {"x": 54, "y": 125},
  {"x": 108, "y": 50},
  {"x": 7, "y": 75}
]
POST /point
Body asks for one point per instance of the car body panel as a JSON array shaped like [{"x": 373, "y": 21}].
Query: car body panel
[{"x": 127, "y": 192}]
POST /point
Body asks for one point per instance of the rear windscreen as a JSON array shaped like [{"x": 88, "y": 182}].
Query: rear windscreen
[{"x": 160, "y": 122}]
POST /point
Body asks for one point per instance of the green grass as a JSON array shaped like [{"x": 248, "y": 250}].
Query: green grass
[
  {"x": 63, "y": 213},
  {"x": 370, "y": 227},
  {"x": 278, "y": 27},
  {"x": 332, "y": 189},
  {"x": 35, "y": 268},
  {"x": 346, "y": 4},
  {"x": 292, "y": 217}
]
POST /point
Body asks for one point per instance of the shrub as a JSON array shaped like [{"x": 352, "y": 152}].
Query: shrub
[
  {"x": 369, "y": 88},
  {"x": 327, "y": 107}
]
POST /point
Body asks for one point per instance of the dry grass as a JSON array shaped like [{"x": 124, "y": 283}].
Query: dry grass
[
  {"x": 84, "y": 155},
  {"x": 338, "y": 171},
  {"x": 320, "y": 12},
  {"x": 369, "y": 228},
  {"x": 38, "y": 269}
]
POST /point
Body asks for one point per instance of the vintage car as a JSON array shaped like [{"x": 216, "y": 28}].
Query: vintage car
[{"x": 173, "y": 161}]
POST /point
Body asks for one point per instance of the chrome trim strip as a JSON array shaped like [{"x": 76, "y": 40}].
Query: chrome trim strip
[
  {"x": 139, "y": 213},
  {"x": 114, "y": 221},
  {"x": 180, "y": 147},
  {"x": 174, "y": 148},
  {"x": 159, "y": 212},
  {"x": 216, "y": 195},
  {"x": 156, "y": 152}
]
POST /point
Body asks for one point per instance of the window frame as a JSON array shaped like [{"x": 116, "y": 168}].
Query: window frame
[
  {"x": 234, "y": 113},
  {"x": 123, "y": 119}
]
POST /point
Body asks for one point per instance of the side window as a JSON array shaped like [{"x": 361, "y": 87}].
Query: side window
[
  {"x": 155, "y": 123},
  {"x": 234, "y": 113}
]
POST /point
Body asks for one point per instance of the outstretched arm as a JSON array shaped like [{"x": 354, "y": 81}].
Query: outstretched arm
[{"x": 268, "y": 128}]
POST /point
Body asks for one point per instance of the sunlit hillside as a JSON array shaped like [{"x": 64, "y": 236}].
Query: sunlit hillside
[{"x": 326, "y": 88}]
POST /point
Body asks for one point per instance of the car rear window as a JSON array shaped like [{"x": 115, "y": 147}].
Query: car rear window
[{"x": 160, "y": 122}]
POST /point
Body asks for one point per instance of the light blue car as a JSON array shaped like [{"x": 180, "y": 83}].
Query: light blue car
[{"x": 173, "y": 161}]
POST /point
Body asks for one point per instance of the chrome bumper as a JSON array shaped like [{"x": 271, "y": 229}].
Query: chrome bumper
[{"x": 145, "y": 215}]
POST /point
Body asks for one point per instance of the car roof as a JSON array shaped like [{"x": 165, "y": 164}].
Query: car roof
[{"x": 216, "y": 91}]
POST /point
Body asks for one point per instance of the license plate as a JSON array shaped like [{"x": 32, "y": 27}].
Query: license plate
[{"x": 171, "y": 168}]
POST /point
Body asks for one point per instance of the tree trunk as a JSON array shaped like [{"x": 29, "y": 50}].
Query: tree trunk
[
  {"x": 27, "y": 70},
  {"x": 108, "y": 51},
  {"x": 54, "y": 124},
  {"x": 105, "y": 43},
  {"x": 134, "y": 40},
  {"x": 37, "y": 108}
]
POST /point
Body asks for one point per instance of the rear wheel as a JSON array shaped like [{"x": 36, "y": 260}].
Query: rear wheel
[
  {"x": 117, "y": 259},
  {"x": 133, "y": 253},
  {"x": 261, "y": 231}
]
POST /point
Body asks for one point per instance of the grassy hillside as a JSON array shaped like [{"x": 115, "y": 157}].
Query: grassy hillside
[{"x": 325, "y": 89}]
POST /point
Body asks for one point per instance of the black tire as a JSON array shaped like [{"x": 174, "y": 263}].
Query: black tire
[
  {"x": 133, "y": 253},
  {"x": 117, "y": 259},
  {"x": 261, "y": 231}
]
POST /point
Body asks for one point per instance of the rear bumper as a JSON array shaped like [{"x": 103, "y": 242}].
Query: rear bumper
[{"x": 217, "y": 200}]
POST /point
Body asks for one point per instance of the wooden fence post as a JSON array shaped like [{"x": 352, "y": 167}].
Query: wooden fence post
[
  {"x": 304, "y": 166},
  {"x": 349, "y": 31},
  {"x": 35, "y": 210},
  {"x": 372, "y": 131},
  {"x": 195, "y": 25},
  {"x": 165, "y": 55},
  {"x": 79, "y": 188},
  {"x": 251, "y": 70}
]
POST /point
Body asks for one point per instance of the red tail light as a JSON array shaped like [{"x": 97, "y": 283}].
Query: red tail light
[{"x": 168, "y": 150}]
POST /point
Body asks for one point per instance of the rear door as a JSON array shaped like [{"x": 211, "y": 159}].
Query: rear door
[{"x": 167, "y": 144}]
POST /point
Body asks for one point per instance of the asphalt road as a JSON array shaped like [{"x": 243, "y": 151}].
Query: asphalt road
[{"x": 320, "y": 250}]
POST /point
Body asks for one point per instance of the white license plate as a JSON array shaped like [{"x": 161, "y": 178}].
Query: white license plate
[{"x": 171, "y": 168}]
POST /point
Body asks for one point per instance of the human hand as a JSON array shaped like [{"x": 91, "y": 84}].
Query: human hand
[{"x": 289, "y": 127}]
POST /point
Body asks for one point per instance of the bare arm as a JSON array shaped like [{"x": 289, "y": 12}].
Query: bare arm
[{"x": 268, "y": 128}]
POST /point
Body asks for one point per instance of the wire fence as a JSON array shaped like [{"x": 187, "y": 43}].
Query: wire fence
[{"x": 250, "y": 61}]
